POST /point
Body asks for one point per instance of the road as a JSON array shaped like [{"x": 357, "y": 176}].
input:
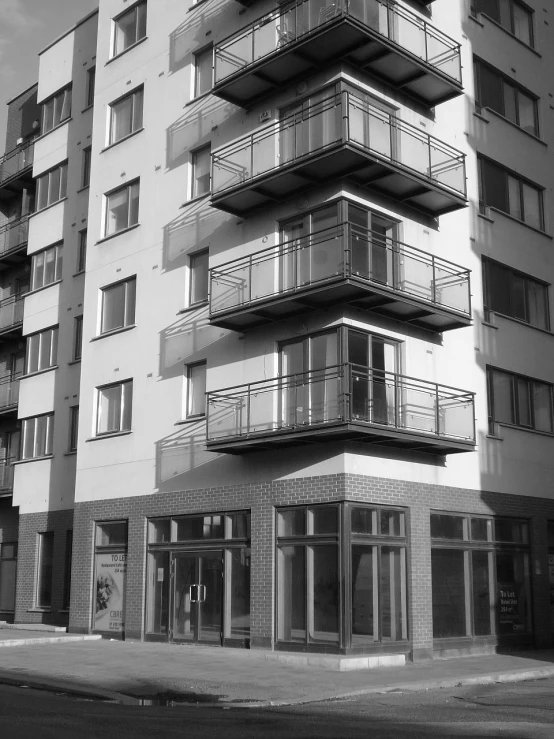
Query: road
[{"x": 513, "y": 711}]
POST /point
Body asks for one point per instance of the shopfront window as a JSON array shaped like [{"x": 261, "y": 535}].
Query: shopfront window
[
  {"x": 480, "y": 575},
  {"x": 198, "y": 587},
  {"x": 110, "y": 577},
  {"x": 314, "y": 543}
]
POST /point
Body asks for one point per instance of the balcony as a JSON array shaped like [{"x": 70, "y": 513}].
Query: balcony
[
  {"x": 6, "y": 476},
  {"x": 9, "y": 394},
  {"x": 13, "y": 240},
  {"x": 11, "y": 317},
  {"x": 378, "y": 36},
  {"x": 343, "y": 136},
  {"x": 342, "y": 264},
  {"x": 341, "y": 403},
  {"x": 16, "y": 170}
]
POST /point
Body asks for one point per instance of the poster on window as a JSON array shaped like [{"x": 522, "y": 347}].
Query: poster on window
[
  {"x": 551, "y": 578},
  {"x": 111, "y": 571},
  {"x": 511, "y": 601}
]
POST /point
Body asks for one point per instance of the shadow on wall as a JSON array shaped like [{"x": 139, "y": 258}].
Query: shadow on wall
[
  {"x": 185, "y": 338},
  {"x": 180, "y": 453},
  {"x": 193, "y": 230},
  {"x": 187, "y": 37},
  {"x": 194, "y": 128}
]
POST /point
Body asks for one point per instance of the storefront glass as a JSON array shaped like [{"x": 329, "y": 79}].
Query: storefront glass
[{"x": 110, "y": 577}]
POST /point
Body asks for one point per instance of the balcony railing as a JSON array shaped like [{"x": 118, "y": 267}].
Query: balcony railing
[
  {"x": 6, "y": 474},
  {"x": 16, "y": 161},
  {"x": 13, "y": 235},
  {"x": 341, "y": 136},
  {"x": 342, "y": 264},
  {"x": 383, "y": 38},
  {"x": 344, "y": 402},
  {"x": 11, "y": 313},
  {"x": 9, "y": 392}
]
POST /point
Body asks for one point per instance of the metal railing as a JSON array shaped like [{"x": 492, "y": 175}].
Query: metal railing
[
  {"x": 6, "y": 473},
  {"x": 342, "y": 252},
  {"x": 16, "y": 160},
  {"x": 345, "y": 393},
  {"x": 342, "y": 118},
  {"x": 11, "y": 311},
  {"x": 9, "y": 391},
  {"x": 281, "y": 27},
  {"x": 13, "y": 234}
]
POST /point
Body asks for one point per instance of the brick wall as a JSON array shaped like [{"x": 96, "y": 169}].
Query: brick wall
[
  {"x": 30, "y": 525},
  {"x": 261, "y": 499}
]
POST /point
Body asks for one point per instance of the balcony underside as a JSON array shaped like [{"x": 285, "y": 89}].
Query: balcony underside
[
  {"x": 14, "y": 185},
  {"x": 12, "y": 333},
  {"x": 6, "y": 492},
  {"x": 13, "y": 257},
  {"x": 359, "y": 293},
  {"x": 8, "y": 409},
  {"x": 360, "y": 432},
  {"x": 362, "y": 167},
  {"x": 344, "y": 38}
]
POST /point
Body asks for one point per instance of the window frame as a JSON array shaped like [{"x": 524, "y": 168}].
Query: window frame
[
  {"x": 207, "y": 148},
  {"x": 482, "y": 162},
  {"x": 126, "y": 305},
  {"x": 190, "y": 396},
  {"x": 197, "y": 92},
  {"x": 511, "y": 30},
  {"x": 58, "y": 266},
  {"x": 65, "y": 94},
  {"x": 52, "y": 353},
  {"x": 133, "y": 95},
  {"x": 86, "y": 167},
  {"x": 81, "y": 251},
  {"x": 194, "y": 281},
  {"x": 487, "y": 264},
  {"x": 116, "y": 19},
  {"x": 518, "y": 384},
  {"x": 73, "y": 428},
  {"x": 127, "y": 187},
  {"x": 77, "y": 352},
  {"x": 125, "y": 412},
  {"x": 45, "y": 178},
  {"x": 48, "y": 436},
  {"x": 90, "y": 87},
  {"x": 41, "y": 575}
]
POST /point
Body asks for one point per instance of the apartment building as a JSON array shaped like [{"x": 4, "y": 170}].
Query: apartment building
[{"x": 314, "y": 401}]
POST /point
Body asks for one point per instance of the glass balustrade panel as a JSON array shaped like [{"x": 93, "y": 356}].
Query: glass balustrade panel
[
  {"x": 227, "y": 416},
  {"x": 447, "y": 168},
  {"x": 456, "y": 417},
  {"x": 452, "y": 289},
  {"x": 416, "y": 275},
  {"x": 418, "y": 408}
]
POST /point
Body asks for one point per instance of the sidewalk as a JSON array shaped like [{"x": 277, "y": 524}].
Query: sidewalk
[{"x": 146, "y": 670}]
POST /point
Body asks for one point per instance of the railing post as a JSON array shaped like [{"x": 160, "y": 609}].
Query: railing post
[
  {"x": 429, "y": 154},
  {"x": 347, "y": 250},
  {"x": 248, "y": 409},
  {"x": 250, "y": 279},
  {"x": 437, "y": 414},
  {"x": 434, "y": 278},
  {"x": 426, "y": 45}
]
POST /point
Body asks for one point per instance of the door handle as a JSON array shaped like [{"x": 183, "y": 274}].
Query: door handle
[
  {"x": 194, "y": 589},
  {"x": 201, "y": 593}
]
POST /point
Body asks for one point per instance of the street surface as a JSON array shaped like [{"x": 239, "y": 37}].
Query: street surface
[{"x": 510, "y": 711}]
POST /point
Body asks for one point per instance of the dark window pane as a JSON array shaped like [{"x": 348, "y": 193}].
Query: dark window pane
[
  {"x": 394, "y": 622},
  {"x": 45, "y": 570},
  {"x": 510, "y": 108},
  {"x": 111, "y": 534},
  {"x": 325, "y": 590},
  {"x": 482, "y": 622},
  {"x": 291, "y": 523},
  {"x": 324, "y": 520},
  {"x": 364, "y": 521},
  {"x": 392, "y": 523},
  {"x": 199, "y": 527},
  {"x": 480, "y": 529},
  {"x": 512, "y": 577},
  {"x": 491, "y": 89},
  {"x": 240, "y": 593},
  {"x": 502, "y": 397},
  {"x": 523, "y": 402},
  {"x": 510, "y": 531},
  {"x": 449, "y": 593},
  {"x": 537, "y": 299},
  {"x": 447, "y": 527},
  {"x": 364, "y": 592},
  {"x": 291, "y": 594},
  {"x": 160, "y": 531},
  {"x": 157, "y": 611},
  {"x": 542, "y": 406},
  {"x": 240, "y": 525},
  {"x": 494, "y": 186}
]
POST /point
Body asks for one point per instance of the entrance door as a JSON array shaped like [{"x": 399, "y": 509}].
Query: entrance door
[{"x": 197, "y": 597}]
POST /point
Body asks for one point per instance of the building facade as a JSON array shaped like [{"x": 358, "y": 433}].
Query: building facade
[{"x": 303, "y": 396}]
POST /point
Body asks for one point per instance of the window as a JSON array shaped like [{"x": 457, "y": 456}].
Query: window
[
  {"x": 46, "y": 266},
  {"x": 199, "y": 277},
  {"x": 480, "y": 576},
  {"x": 515, "y": 294},
  {"x": 108, "y": 604},
  {"x": 126, "y": 116},
  {"x": 512, "y": 15},
  {"x": 508, "y": 192},
  {"x": 77, "y": 338},
  {"x": 52, "y": 186},
  {"x": 122, "y": 209},
  {"x": 494, "y": 91},
  {"x": 91, "y": 82},
  {"x": 82, "y": 251},
  {"x": 118, "y": 306},
  {"x": 85, "y": 175},
  {"x": 196, "y": 390},
  {"x": 517, "y": 400},
  {"x": 45, "y": 570},
  {"x": 37, "y": 436},
  {"x": 73, "y": 427},
  {"x": 203, "y": 71},
  {"x": 8, "y": 570},
  {"x": 129, "y": 28},
  {"x": 42, "y": 350},
  {"x": 114, "y": 408},
  {"x": 201, "y": 175},
  {"x": 56, "y": 110},
  {"x": 67, "y": 573}
]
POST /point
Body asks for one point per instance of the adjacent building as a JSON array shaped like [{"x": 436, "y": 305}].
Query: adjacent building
[{"x": 291, "y": 386}]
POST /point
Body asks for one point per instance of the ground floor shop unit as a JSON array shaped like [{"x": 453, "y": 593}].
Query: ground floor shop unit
[{"x": 342, "y": 564}]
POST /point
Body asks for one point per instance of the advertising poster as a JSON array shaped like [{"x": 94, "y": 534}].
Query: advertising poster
[
  {"x": 111, "y": 570},
  {"x": 512, "y": 609}
]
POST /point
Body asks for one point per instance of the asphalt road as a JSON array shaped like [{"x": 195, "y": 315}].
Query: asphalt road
[{"x": 513, "y": 711}]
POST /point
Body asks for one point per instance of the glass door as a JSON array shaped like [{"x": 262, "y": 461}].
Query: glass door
[
  {"x": 197, "y": 597},
  {"x": 370, "y": 236},
  {"x": 374, "y": 367}
]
